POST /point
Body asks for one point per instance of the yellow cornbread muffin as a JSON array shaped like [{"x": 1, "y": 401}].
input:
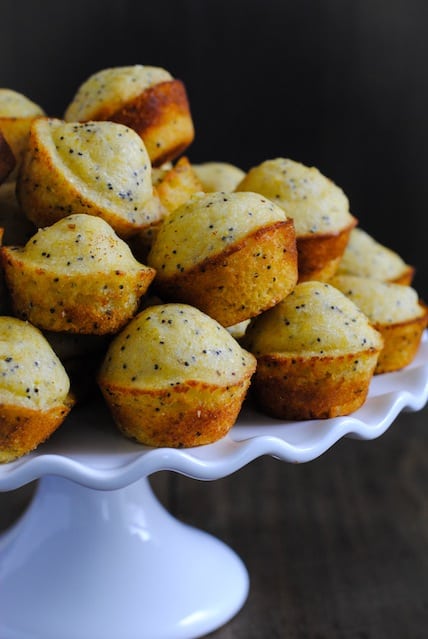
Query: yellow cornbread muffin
[
  {"x": 104, "y": 92},
  {"x": 147, "y": 99},
  {"x": 17, "y": 113},
  {"x": 394, "y": 310},
  {"x": 366, "y": 257},
  {"x": 175, "y": 377},
  {"x": 173, "y": 185},
  {"x": 15, "y": 105},
  {"x": 318, "y": 207},
  {"x": 218, "y": 176},
  {"x": 35, "y": 393},
  {"x": 232, "y": 255},
  {"x": 75, "y": 276},
  {"x": 316, "y": 354},
  {"x": 97, "y": 168}
]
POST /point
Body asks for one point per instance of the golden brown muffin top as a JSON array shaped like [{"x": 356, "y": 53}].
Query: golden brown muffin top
[
  {"x": 107, "y": 162},
  {"x": 17, "y": 105},
  {"x": 382, "y": 302},
  {"x": 315, "y": 319},
  {"x": 218, "y": 176},
  {"x": 31, "y": 374},
  {"x": 366, "y": 257},
  {"x": 78, "y": 244},
  {"x": 170, "y": 344},
  {"x": 206, "y": 225},
  {"x": 108, "y": 89},
  {"x": 315, "y": 203}
]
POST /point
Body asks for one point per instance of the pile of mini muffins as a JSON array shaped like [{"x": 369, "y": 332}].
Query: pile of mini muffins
[{"x": 176, "y": 290}]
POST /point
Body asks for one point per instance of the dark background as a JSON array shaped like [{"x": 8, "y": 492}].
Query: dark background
[
  {"x": 337, "y": 548},
  {"x": 339, "y": 84}
]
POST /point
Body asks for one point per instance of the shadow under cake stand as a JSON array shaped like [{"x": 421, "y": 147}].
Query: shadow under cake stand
[{"x": 96, "y": 556}]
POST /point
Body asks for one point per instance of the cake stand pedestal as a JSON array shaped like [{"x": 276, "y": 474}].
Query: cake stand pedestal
[
  {"x": 96, "y": 556},
  {"x": 89, "y": 564}
]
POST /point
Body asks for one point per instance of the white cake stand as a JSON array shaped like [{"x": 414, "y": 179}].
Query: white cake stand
[{"x": 96, "y": 556}]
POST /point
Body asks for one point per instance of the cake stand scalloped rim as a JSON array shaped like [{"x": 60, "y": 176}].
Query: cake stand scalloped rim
[{"x": 118, "y": 462}]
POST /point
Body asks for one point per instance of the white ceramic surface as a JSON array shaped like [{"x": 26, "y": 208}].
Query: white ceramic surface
[
  {"x": 90, "y": 564},
  {"x": 97, "y": 557}
]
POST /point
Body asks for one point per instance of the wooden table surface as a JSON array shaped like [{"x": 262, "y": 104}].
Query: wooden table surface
[{"x": 336, "y": 548}]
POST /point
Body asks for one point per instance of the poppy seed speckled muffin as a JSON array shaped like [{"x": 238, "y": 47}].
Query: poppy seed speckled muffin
[
  {"x": 17, "y": 113},
  {"x": 316, "y": 354},
  {"x": 145, "y": 98},
  {"x": 175, "y": 185},
  {"x": 318, "y": 207},
  {"x": 172, "y": 187},
  {"x": 35, "y": 393},
  {"x": 232, "y": 255},
  {"x": 175, "y": 377},
  {"x": 366, "y": 257},
  {"x": 96, "y": 168},
  {"x": 75, "y": 276},
  {"x": 394, "y": 310},
  {"x": 218, "y": 176}
]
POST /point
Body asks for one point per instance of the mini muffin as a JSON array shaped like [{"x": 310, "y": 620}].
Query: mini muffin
[
  {"x": 17, "y": 113},
  {"x": 230, "y": 255},
  {"x": 218, "y": 176},
  {"x": 172, "y": 187},
  {"x": 145, "y": 98},
  {"x": 318, "y": 207},
  {"x": 316, "y": 354},
  {"x": 97, "y": 168},
  {"x": 175, "y": 185},
  {"x": 75, "y": 276},
  {"x": 366, "y": 257},
  {"x": 35, "y": 392},
  {"x": 175, "y": 377},
  {"x": 7, "y": 159},
  {"x": 394, "y": 310}
]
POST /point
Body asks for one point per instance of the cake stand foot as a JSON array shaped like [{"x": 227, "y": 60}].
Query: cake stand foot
[{"x": 89, "y": 564}]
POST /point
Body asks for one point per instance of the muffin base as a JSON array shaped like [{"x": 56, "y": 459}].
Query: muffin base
[
  {"x": 94, "y": 304},
  {"x": 185, "y": 415},
  {"x": 318, "y": 387},
  {"x": 23, "y": 429},
  {"x": 401, "y": 343},
  {"x": 319, "y": 254}
]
